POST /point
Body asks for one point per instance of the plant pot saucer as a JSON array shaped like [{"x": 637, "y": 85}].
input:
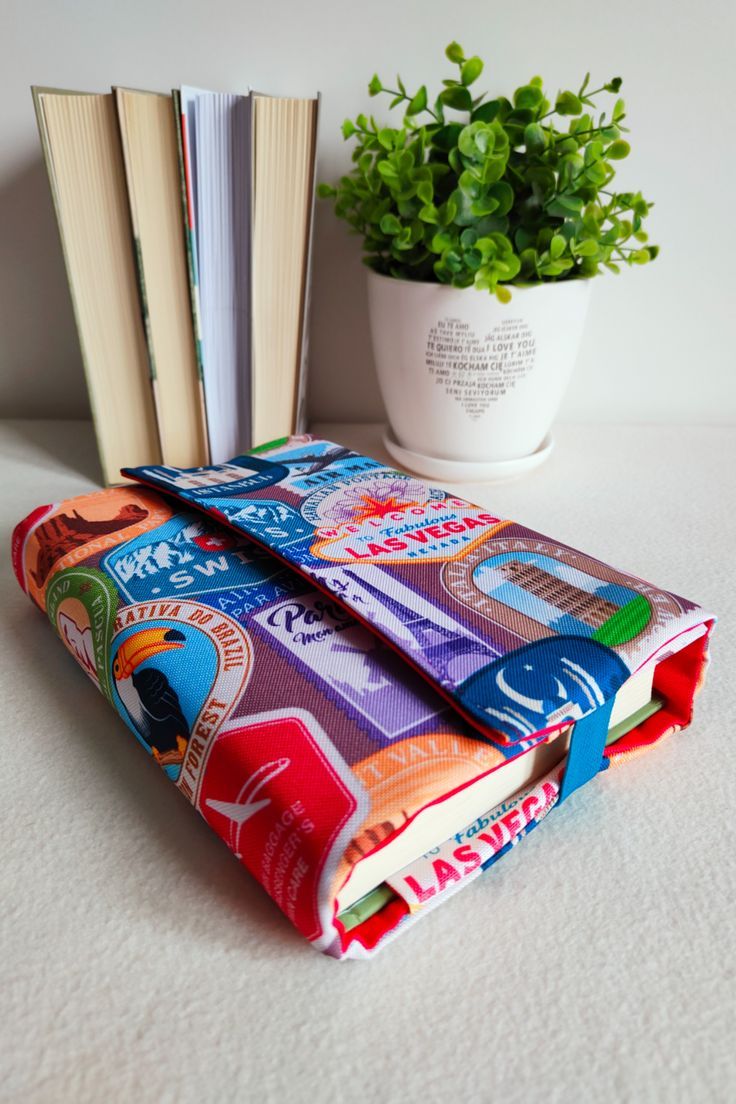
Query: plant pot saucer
[{"x": 466, "y": 471}]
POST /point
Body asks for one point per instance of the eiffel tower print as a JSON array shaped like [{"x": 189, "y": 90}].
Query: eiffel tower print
[{"x": 446, "y": 650}]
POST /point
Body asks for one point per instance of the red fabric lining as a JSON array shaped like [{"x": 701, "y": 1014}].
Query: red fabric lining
[
  {"x": 677, "y": 679},
  {"x": 371, "y": 931}
]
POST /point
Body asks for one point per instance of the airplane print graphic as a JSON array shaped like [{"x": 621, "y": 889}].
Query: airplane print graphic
[{"x": 241, "y": 810}]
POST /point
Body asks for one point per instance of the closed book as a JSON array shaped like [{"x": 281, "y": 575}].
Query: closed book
[
  {"x": 369, "y": 687},
  {"x": 284, "y": 140},
  {"x": 149, "y": 139},
  {"x": 81, "y": 147}
]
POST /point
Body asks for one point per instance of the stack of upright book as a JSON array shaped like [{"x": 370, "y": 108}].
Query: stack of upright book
[{"x": 185, "y": 221}]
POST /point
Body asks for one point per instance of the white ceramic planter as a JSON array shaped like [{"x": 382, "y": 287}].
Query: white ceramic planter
[{"x": 472, "y": 385}]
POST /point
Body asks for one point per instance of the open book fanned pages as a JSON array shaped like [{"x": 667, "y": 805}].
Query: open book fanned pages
[
  {"x": 185, "y": 220},
  {"x": 370, "y": 688}
]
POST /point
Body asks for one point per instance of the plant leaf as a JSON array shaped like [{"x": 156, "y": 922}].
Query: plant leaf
[
  {"x": 534, "y": 138},
  {"x": 390, "y": 224},
  {"x": 457, "y": 97},
  {"x": 618, "y": 150},
  {"x": 557, "y": 247},
  {"x": 418, "y": 102},
  {"x": 471, "y": 70},
  {"x": 567, "y": 103},
  {"x": 528, "y": 97}
]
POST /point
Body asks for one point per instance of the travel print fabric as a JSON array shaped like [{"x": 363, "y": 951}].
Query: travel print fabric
[
  {"x": 315, "y": 647},
  {"x": 521, "y": 633}
]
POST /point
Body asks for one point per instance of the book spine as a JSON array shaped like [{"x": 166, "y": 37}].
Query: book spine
[
  {"x": 108, "y": 476},
  {"x": 187, "y": 204},
  {"x": 143, "y": 298},
  {"x": 243, "y": 227},
  {"x": 300, "y": 421}
]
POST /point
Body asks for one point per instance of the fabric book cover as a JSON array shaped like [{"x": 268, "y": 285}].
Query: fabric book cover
[{"x": 330, "y": 658}]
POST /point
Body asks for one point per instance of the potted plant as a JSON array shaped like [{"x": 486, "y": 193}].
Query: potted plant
[{"x": 483, "y": 220}]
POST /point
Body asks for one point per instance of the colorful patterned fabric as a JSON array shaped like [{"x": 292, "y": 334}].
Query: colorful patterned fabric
[{"x": 315, "y": 648}]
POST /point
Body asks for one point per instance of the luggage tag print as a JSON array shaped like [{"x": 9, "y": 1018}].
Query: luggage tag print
[
  {"x": 58, "y": 537},
  {"x": 184, "y": 557},
  {"x": 289, "y": 814},
  {"x": 81, "y": 604},
  {"x": 548, "y": 682},
  {"x": 317, "y": 464},
  {"x": 562, "y": 679},
  {"x": 155, "y": 648}
]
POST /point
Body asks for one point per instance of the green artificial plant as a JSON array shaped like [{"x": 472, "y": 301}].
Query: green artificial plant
[{"x": 491, "y": 192}]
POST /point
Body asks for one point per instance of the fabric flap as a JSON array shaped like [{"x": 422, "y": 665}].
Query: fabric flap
[{"x": 521, "y": 634}]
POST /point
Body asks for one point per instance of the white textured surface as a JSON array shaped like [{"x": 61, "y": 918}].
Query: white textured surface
[{"x": 140, "y": 963}]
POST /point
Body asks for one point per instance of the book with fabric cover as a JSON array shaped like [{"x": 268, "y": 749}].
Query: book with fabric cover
[{"x": 369, "y": 687}]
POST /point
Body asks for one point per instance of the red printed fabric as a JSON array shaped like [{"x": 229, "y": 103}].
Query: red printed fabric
[{"x": 315, "y": 648}]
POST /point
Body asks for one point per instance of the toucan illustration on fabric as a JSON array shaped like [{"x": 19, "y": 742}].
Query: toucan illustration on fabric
[{"x": 150, "y": 699}]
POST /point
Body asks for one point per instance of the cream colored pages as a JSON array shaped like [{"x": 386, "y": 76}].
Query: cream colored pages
[
  {"x": 147, "y": 128},
  {"x": 284, "y": 160},
  {"x": 220, "y": 158},
  {"x": 440, "y": 820},
  {"x": 82, "y": 147}
]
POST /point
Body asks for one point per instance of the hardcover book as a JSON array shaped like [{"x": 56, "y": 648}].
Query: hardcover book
[
  {"x": 369, "y": 687},
  {"x": 81, "y": 147},
  {"x": 284, "y": 160},
  {"x": 150, "y": 152},
  {"x": 186, "y": 224}
]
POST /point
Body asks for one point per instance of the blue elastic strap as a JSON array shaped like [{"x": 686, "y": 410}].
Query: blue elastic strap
[{"x": 587, "y": 744}]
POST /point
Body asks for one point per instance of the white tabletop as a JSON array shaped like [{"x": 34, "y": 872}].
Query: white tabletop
[{"x": 140, "y": 963}]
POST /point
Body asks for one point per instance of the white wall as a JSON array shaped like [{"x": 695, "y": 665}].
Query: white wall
[{"x": 660, "y": 340}]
